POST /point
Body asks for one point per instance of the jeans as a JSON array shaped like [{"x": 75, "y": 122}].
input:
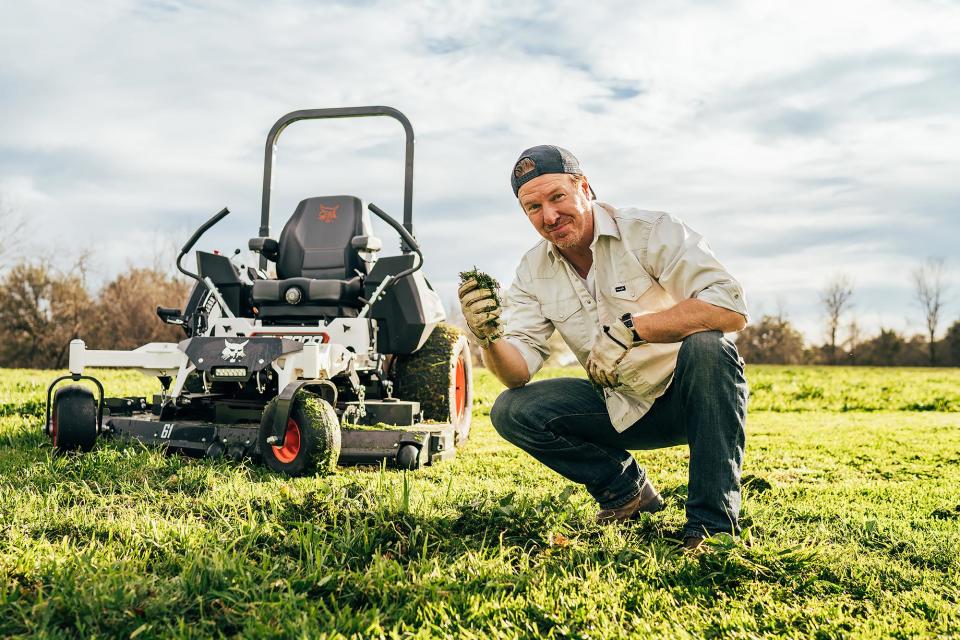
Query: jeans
[{"x": 563, "y": 423}]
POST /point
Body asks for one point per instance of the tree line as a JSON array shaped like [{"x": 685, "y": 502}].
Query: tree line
[
  {"x": 42, "y": 308},
  {"x": 773, "y": 339}
]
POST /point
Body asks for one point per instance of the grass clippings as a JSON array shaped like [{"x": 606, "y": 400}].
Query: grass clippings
[{"x": 484, "y": 281}]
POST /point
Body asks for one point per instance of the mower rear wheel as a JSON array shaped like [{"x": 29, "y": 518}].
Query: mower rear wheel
[
  {"x": 440, "y": 377},
  {"x": 311, "y": 442},
  {"x": 73, "y": 420}
]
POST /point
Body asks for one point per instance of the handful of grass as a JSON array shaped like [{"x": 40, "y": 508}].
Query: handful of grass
[{"x": 484, "y": 281}]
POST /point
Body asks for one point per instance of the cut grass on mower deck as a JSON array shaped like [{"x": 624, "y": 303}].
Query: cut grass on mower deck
[{"x": 852, "y": 514}]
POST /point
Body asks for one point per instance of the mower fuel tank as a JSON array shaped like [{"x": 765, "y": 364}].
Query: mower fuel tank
[{"x": 408, "y": 310}]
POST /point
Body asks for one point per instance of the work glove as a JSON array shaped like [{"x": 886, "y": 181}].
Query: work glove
[
  {"x": 608, "y": 351},
  {"x": 481, "y": 309}
]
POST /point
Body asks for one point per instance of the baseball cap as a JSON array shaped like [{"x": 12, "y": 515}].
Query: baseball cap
[{"x": 540, "y": 160}]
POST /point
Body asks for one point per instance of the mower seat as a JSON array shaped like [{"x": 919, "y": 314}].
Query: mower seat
[{"x": 318, "y": 254}]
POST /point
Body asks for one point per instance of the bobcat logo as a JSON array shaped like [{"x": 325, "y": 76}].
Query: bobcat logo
[
  {"x": 328, "y": 213},
  {"x": 523, "y": 167},
  {"x": 233, "y": 352}
]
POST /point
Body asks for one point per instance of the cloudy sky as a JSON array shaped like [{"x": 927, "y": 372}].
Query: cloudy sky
[{"x": 803, "y": 139}]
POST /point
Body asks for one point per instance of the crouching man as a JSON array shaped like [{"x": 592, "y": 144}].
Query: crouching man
[{"x": 643, "y": 303}]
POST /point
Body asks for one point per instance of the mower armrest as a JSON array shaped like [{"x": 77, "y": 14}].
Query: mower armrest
[
  {"x": 366, "y": 243},
  {"x": 267, "y": 247}
]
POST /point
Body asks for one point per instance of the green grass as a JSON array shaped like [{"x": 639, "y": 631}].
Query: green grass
[{"x": 852, "y": 509}]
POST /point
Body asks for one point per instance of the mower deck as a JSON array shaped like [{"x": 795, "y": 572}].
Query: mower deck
[{"x": 408, "y": 447}]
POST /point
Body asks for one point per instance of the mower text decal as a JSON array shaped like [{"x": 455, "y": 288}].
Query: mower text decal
[
  {"x": 328, "y": 213},
  {"x": 233, "y": 351},
  {"x": 320, "y": 338},
  {"x": 167, "y": 430}
]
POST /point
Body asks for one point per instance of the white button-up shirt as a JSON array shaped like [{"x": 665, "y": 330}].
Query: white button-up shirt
[{"x": 644, "y": 262}]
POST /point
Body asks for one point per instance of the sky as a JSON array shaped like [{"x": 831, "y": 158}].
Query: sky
[{"x": 804, "y": 140}]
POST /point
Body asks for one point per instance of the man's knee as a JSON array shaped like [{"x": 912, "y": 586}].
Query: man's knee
[
  {"x": 700, "y": 349},
  {"x": 707, "y": 353}
]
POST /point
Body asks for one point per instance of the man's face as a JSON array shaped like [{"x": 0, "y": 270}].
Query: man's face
[{"x": 558, "y": 205}]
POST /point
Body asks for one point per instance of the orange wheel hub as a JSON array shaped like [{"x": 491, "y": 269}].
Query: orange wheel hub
[
  {"x": 291, "y": 443},
  {"x": 460, "y": 382}
]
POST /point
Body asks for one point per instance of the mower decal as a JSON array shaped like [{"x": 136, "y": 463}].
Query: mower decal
[
  {"x": 304, "y": 338},
  {"x": 167, "y": 430},
  {"x": 328, "y": 213},
  {"x": 233, "y": 351}
]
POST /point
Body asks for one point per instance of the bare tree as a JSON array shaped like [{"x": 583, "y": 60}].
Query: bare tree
[
  {"x": 929, "y": 290},
  {"x": 836, "y": 299}
]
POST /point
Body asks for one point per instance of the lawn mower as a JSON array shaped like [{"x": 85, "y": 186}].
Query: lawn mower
[{"x": 307, "y": 351}]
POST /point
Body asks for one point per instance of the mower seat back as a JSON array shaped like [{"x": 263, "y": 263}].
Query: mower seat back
[
  {"x": 315, "y": 254},
  {"x": 315, "y": 242}
]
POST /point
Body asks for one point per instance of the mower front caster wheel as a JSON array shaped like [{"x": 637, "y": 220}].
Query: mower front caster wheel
[
  {"x": 73, "y": 420},
  {"x": 311, "y": 443}
]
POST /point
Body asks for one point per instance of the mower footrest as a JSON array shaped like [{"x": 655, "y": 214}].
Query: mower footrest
[{"x": 401, "y": 413}]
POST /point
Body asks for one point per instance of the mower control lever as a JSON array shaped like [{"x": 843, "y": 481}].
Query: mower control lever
[
  {"x": 408, "y": 239},
  {"x": 196, "y": 236}
]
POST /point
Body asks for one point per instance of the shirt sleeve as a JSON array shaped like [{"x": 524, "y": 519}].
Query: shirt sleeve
[
  {"x": 685, "y": 266},
  {"x": 524, "y": 325}
]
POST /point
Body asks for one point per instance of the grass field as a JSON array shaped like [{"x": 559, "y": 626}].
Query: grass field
[{"x": 851, "y": 508}]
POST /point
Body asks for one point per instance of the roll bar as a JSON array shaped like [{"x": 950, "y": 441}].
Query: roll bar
[{"x": 340, "y": 112}]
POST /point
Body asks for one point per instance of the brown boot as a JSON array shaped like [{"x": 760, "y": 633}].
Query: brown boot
[
  {"x": 693, "y": 544},
  {"x": 647, "y": 501}
]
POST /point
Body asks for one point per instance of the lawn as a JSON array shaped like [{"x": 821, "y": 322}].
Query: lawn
[{"x": 851, "y": 509}]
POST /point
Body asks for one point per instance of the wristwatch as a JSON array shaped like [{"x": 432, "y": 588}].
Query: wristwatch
[{"x": 627, "y": 320}]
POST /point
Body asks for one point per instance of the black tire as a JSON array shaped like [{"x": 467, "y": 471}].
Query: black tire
[
  {"x": 312, "y": 441},
  {"x": 408, "y": 457},
  {"x": 440, "y": 377},
  {"x": 73, "y": 420}
]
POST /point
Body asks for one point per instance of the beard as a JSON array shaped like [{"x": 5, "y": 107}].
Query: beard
[{"x": 572, "y": 237}]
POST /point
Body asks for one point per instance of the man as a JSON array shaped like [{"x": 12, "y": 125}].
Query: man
[{"x": 643, "y": 303}]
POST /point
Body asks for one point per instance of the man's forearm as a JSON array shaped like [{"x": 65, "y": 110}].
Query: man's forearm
[
  {"x": 505, "y": 361},
  {"x": 685, "y": 318}
]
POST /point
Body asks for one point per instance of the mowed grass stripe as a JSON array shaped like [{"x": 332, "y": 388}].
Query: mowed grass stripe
[{"x": 853, "y": 520}]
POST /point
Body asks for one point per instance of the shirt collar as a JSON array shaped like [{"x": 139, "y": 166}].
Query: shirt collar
[{"x": 603, "y": 225}]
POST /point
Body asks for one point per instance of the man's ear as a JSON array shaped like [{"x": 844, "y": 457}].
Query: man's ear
[{"x": 586, "y": 188}]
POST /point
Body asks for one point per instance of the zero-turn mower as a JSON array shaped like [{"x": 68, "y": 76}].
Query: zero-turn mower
[{"x": 342, "y": 357}]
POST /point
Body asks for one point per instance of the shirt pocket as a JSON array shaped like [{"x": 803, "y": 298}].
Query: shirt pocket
[
  {"x": 630, "y": 289},
  {"x": 568, "y": 317}
]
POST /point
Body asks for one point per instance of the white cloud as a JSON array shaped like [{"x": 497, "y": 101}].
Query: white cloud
[{"x": 800, "y": 140}]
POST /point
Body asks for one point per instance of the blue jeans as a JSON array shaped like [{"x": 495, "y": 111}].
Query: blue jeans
[{"x": 563, "y": 423}]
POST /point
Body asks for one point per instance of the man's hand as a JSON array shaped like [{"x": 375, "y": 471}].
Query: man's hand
[
  {"x": 608, "y": 350},
  {"x": 481, "y": 311}
]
